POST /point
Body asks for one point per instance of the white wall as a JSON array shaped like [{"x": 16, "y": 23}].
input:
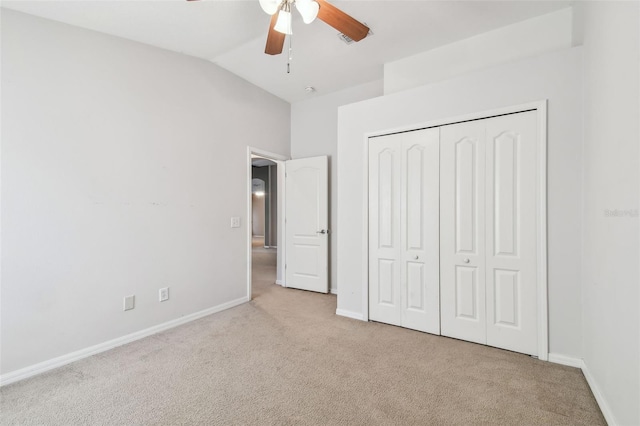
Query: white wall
[
  {"x": 121, "y": 167},
  {"x": 610, "y": 320},
  {"x": 554, "y": 76},
  {"x": 314, "y": 132},
  {"x": 523, "y": 39}
]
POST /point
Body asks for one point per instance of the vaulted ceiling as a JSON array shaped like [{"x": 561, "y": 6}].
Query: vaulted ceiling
[{"x": 232, "y": 34}]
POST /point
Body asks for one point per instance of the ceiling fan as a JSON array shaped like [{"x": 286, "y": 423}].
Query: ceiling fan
[{"x": 280, "y": 26}]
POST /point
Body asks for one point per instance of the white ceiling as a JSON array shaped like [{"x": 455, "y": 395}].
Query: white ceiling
[{"x": 232, "y": 34}]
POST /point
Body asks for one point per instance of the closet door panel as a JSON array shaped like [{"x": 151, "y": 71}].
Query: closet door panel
[
  {"x": 511, "y": 232},
  {"x": 462, "y": 231},
  {"x": 466, "y": 292},
  {"x": 419, "y": 228},
  {"x": 385, "y": 259}
]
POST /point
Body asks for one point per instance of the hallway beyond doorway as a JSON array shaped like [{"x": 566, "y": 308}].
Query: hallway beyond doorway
[{"x": 263, "y": 264}]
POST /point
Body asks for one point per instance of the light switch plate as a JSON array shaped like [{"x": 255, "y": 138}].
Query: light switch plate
[{"x": 235, "y": 222}]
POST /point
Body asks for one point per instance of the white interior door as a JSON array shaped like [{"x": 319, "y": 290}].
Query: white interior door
[
  {"x": 462, "y": 231},
  {"x": 511, "y": 232},
  {"x": 306, "y": 222},
  {"x": 403, "y": 230}
]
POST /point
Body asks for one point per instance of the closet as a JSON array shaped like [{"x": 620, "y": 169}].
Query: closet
[{"x": 453, "y": 230}]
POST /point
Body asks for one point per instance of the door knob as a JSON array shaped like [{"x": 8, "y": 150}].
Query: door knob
[
  {"x": 417, "y": 257},
  {"x": 466, "y": 261},
  {"x": 322, "y": 231}
]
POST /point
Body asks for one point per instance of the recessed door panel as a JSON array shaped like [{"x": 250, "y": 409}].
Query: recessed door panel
[
  {"x": 415, "y": 163},
  {"x": 462, "y": 217},
  {"x": 466, "y": 192},
  {"x": 506, "y": 298},
  {"x": 415, "y": 286},
  {"x": 303, "y": 181},
  {"x": 386, "y": 197},
  {"x": 306, "y": 258},
  {"x": 467, "y": 293},
  {"x": 386, "y": 282},
  {"x": 506, "y": 185}
]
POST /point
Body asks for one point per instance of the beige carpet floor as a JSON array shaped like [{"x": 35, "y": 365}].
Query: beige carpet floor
[{"x": 285, "y": 358}]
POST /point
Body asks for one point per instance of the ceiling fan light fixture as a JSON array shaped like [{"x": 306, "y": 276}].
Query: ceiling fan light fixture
[
  {"x": 283, "y": 24},
  {"x": 308, "y": 10},
  {"x": 270, "y": 7}
]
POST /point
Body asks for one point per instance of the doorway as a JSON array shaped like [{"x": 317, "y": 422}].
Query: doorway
[
  {"x": 265, "y": 231},
  {"x": 264, "y": 223},
  {"x": 307, "y": 230}
]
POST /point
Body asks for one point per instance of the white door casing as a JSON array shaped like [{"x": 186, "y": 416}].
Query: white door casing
[
  {"x": 462, "y": 231},
  {"x": 403, "y": 228},
  {"x": 306, "y": 220}
]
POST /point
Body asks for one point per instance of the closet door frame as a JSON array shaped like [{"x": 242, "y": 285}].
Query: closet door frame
[{"x": 541, "y": 205}]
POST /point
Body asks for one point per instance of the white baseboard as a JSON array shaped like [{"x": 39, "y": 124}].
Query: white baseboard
[
  {"x": 604, "y": 407},
  {"x": 579, "y": 363},
  {"x": 565, "y": 360},
  {"x": 333, "y": 290},
  {"x": 44, "y": 366},
  {"x": 280, "y": 282},
  {"x": 349, "y": 314}
]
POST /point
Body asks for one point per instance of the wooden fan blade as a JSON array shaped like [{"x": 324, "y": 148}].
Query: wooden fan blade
[
  {"x": 341, "y": 21},
  {"x": 275, "y": 39}
]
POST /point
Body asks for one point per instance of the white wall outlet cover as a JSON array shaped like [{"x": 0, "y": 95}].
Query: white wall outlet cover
[
  {"x": 235, "y": 222},
  {"x": 129, "y": 302},
  {"x": 163, "y": 294}
]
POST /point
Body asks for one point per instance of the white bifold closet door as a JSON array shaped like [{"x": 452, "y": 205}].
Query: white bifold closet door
[
  {"x": 462, "y": 231},
  {"x": 488, "y": 225},
  {"x": 403, "y": 230}
]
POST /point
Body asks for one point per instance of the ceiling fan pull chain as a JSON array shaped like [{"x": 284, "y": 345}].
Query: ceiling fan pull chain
[{"x": 290, "y": 55}]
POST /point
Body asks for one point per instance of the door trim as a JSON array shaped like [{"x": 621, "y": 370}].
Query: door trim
[
  {"x": 541, "y": 200},
  {"x": 279, "y": 160}
]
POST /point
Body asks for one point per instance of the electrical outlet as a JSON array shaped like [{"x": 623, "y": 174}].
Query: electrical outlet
[
  {"x": 235, "y": 222},
  {"x": 129, "y": 302},
  {"x": 163, "y": 294}
]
